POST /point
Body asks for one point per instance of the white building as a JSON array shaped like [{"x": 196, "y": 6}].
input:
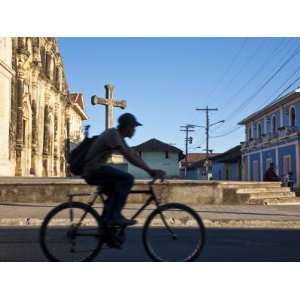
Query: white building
[
  {"x": 157, "y": 155},
  {"x": 76, "y": 116}
]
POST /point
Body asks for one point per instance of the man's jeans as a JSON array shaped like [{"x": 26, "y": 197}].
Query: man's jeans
[{"x": 116, "y": 184}]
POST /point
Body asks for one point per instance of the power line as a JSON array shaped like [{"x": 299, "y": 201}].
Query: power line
[
  {"x": 271, "y": 99},
  {"x": 248, "y": 60},
  {"x": 248, "y": 100},
  {"x": 283, "y": 92},
  {"x": 271, "y": 56},
  {"x": 227, "y": 69},
  {"x": 297, "y": 79},
  {"x": 244, "y": 103},
  {"x": 228, "y": 133}
]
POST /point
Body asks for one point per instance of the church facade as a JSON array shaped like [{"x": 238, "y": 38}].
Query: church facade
[{"x": 38, "y": 109}]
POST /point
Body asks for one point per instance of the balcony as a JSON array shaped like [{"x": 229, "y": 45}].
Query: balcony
[{"x": 271, "y": 137}]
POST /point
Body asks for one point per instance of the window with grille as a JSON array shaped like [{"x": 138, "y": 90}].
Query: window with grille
[
  {"x": 293, "y": 117},
  {"x": 274, "y": 124},
  {"x": 287, "y": 167},
  {"x": 268, "y": 162}
]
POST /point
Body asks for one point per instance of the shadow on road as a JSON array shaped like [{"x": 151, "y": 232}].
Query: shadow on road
[{"x": 222, "y": 244}]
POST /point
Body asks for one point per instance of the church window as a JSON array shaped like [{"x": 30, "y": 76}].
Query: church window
[
  {"x": 48, "y": 65},
  {"x": 166, "y": 154},
  {"x": 43, "y": 59}
]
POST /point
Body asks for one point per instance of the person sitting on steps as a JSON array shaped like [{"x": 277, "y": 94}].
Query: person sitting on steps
[
  {"x": 114, "y": 182},
  {"x": 270, "y": 174}
]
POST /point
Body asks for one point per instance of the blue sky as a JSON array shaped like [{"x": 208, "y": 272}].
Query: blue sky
[{"x": 165, "y": 79}]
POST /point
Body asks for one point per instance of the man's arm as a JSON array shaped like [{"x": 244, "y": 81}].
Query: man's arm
[{"x": 135, "y": 159}]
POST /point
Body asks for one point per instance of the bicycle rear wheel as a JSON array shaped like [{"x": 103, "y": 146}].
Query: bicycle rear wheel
[
  {"x": 173, "y": 232},
  {"x": 71, "y": 233}
]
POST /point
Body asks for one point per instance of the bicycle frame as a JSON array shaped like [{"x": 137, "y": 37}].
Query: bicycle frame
[{"x": 152, "y": 198}]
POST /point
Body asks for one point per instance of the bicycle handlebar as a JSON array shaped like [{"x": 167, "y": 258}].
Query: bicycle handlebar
[{"x": 155, "y": 179}]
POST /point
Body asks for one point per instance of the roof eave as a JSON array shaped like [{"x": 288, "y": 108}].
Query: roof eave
[{"x": 282, "y": 100}]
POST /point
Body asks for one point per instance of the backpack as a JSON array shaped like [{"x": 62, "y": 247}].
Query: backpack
[{"x": 77, "y": 156}]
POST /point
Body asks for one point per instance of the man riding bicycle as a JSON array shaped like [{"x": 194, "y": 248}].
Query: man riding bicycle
[{"x": 113, "y": 181}]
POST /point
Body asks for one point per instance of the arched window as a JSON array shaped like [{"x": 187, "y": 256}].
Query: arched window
[
  {"x": 259, "y": 130},
  {"x": 292, "y": 117},
  {"x": 274, "y": 126},
  {"x": 249, "y": 133}
]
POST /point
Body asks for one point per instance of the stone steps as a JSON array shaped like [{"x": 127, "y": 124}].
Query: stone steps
[
  {"x": 250, "y": 185},
  {"x": 271, "y": 195},
  {"x": 262, "y": 190},
  {"x": 258, "y": 194},
  {"x": 273, "y": 201}
]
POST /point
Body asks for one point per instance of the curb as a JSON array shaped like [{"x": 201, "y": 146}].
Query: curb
[{"x": 209, "y": 223}]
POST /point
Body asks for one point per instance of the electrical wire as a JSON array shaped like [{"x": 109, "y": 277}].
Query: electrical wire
[
  {"x": 228, "y": 133},
  {"x": 271, "y": 56},
  {"x": 227, "y": 69},
  {"x": 246, "y": 102}
]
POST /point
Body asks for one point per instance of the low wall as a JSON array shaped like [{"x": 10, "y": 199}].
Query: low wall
[
  {"x": 30, "y": 189},
  {"x": 43, "y": 190}
]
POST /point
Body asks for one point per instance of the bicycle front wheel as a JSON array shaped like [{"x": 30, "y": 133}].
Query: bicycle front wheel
[
  {"x": 173, "y": 232},
  {"x": 71, "y": 233}
]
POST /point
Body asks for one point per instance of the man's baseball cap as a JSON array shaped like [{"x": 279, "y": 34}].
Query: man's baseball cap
[{"x": 128, "y": 119}]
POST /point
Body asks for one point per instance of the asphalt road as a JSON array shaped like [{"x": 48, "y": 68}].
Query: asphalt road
[{"x": 222, "y": 244}]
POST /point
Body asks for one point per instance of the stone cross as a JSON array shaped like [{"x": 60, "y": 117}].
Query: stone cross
[{"x": 109, "y": 103}]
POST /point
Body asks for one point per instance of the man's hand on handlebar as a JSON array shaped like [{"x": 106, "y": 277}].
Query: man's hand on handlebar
[{"x": 157, "y": 174}]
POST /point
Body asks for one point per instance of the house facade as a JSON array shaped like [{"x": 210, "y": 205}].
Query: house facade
[
  {"x": 76, "y": 116},
  {"x": 195, "y": 169},
  {"x": 227, "y": 166},
  {"x": 158, "y": 155},
  {"x": 272, "y": 136}
]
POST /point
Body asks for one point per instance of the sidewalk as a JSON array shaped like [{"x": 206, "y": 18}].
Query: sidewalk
[{"x": 252, "y": 216}]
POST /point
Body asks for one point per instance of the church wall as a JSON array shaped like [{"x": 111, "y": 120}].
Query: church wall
[
  {"x": 6, "y": 74},
  {"x": 34, "y": 108},
  {"x": 41, "y": 97}
]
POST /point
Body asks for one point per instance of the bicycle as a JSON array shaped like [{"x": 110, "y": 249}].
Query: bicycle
[{"x": 171, "y": 232}]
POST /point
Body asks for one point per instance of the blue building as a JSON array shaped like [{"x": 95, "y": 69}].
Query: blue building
[
  {"x": 227, "y": 165},
  {"x": 272, "y": 136}
]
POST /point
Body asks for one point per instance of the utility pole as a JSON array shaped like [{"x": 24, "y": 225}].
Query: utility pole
[
  {"x": 207, "y": 127},
  {"x": 187, "y": 129}
]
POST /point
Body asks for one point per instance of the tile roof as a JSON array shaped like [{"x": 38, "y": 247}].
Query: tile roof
[
  {"x": 231, "y": 155},
  {"x": 154, "y": 145},
  {"x": 78, "y": 99},
  {"x": 200, "y": 162},
  {"x": 193, "y": 157}
]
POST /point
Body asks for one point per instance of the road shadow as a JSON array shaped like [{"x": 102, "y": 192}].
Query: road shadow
[{"x": 222, "y": 245}]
